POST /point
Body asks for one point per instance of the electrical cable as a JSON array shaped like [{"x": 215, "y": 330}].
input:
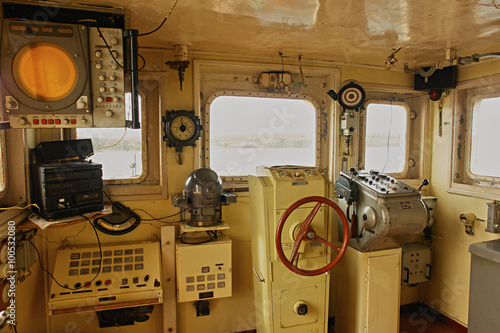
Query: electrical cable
[
  {"x": 163, "y": 22},
  {"x": 213, "y": 237},
  {"x": 113, "y": 56},
  {"x": 64, "y": 239},
  {"x": 17, "y": 207},
  {"x": 52, "y": 276}
]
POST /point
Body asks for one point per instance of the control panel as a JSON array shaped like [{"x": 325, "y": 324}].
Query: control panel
[
  {"x": 107, "y": 77},
  {"x": 204, "y": 271},
  {"x": 416, "y": 266},
  {"x": 381, "y": 183},
  {"x": 112, "y": 274}
]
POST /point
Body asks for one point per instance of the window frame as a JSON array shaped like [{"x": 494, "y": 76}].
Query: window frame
[
  {"x": 154, "y": 183},
  {"x": 462, "y": 180},
  {"x": 363, "y": 119},
  {"x": 418, "y": 157},
  {"x": 144, "y": 150},
  {"x": 206, "y": 117},
  {"x": 210, "y": 76}
]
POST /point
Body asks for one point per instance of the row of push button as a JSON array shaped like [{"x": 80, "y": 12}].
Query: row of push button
[{"x": 54, "y": 121}]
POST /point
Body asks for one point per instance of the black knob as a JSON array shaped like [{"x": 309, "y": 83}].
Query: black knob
[
  {"x": 425, "y": 182},
  {"x": 302, "y": 309}
]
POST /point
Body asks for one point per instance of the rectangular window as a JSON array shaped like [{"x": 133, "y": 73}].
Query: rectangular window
[
  {"x": 253, "y": 130},
  {"x": 386, "y": 137},
  {"x": 484, "y": 159},
  {"x": 119, "y": 150},
  {"x": 475, "y": 157}
]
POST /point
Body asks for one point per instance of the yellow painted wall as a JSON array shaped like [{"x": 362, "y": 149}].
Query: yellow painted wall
[{"x": 447, "y": 291}]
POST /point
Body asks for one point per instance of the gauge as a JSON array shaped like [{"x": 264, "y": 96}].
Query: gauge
[{"x": 182, "y": 128}]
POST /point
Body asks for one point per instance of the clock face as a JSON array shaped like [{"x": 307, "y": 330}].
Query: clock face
[{"x": 182, "y": 128}]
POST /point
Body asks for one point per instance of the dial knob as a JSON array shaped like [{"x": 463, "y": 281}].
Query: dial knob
[
  {"x": 100, "y": 99},
  {"x": 22, "y": 121},
  {"x": 109, "y": 113},
  {"x": 102, "y": 78},
  {"x": 114, "y": 41},
  {"x": 116, "y": 99},
  {"x": 65, "y": 121},
  {"x": 11, "y": 104},
  {"x": 112, "y": 89},
  {"x": 83, "y": 121},
  {"x": 300, "y": 308},
  {"x": 114, "y": 66},
  {"x": 98, "y": 53},
  {"x": 102, "y": 89},
  {"x": 112, "y": 77},
  {"x": 98, "y": 66},
  {"x": 81, "y": 104}
]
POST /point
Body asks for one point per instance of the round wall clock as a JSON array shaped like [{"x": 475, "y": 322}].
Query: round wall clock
[{"x": 182, "y": 128}]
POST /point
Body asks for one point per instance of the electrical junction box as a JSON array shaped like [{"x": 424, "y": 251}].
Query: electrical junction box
[
  {"x": 275, "y": 80},
  {"x": 347, "y": 123},
  {"x": 416, "y": 264},
  {"x": 204, "y": 271}
]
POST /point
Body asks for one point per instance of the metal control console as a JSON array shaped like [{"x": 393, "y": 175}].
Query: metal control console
[
  {"x": 384, "y": 212},
  {"x": 107, "y": 77},
  {"x": 125, "y": 273},
  {"x": 204, "y": 271}
]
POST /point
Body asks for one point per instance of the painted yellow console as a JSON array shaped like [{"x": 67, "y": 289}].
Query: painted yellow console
[
  {"x": 285, "y": 301},
  {"x": 368, "y": 291}
]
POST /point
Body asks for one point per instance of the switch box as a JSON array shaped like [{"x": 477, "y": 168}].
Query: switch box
[
  {"x": 416, "y": 265},
  {"x": 204, "y": 271}
]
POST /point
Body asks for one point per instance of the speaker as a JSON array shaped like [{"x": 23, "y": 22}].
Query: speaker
[
  {"x": 66, "y": 150},
  {"x": 445, "y": 78}
]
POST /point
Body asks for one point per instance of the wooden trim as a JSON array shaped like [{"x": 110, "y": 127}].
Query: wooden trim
[
  {"x": 106, "y": 306},
  {"x": 168, "y": 277}
]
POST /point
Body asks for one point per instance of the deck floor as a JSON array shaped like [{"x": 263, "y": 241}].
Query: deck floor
[{"x": 421, "y": 320}]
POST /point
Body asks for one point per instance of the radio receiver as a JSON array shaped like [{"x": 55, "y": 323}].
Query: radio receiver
[{"x": 62, "y": 75}]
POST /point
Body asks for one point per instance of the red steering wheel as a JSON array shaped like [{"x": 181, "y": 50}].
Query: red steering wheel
[{"x": 307, "y": 232}]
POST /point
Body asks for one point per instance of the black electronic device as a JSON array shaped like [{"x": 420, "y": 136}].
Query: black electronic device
[
  {"x": 66, "y": 150},
  {"x": 67, "y": 189},
  {"x": 445, "y": 78},
  {"x": 63, "y": 183}
]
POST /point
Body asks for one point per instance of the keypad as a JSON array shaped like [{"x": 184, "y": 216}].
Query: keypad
[
  {"x": 113, "y": 261},
  {"x": 197, "y": 283}
]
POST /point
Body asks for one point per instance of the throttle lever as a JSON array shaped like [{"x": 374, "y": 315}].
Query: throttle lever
[{"x": 425, "y": 182}]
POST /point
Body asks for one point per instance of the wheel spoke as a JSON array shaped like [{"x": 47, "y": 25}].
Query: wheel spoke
[
  {"x": 295, "y": 250},
  {"x": 311, "y": 216},
  {"x": 319, "y": 239}
]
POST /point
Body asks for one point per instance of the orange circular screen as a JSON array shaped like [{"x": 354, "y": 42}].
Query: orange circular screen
[{"x": 44, "y": 71}]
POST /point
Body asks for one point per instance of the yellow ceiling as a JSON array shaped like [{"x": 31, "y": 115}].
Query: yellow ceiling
[{"x": 349, "y": 31}]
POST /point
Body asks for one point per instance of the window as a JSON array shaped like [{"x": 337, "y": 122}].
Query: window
[
  {"x": 475, "y": 157},
  {"x": 386, "y": 137},
  {"x": 485, "y": 120},
  {"x": 119, "y": 150},
  {"x": 248, "y": 131},
  {"x": 392, "y": 135},
  {"x": 137, "y": 172}
]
